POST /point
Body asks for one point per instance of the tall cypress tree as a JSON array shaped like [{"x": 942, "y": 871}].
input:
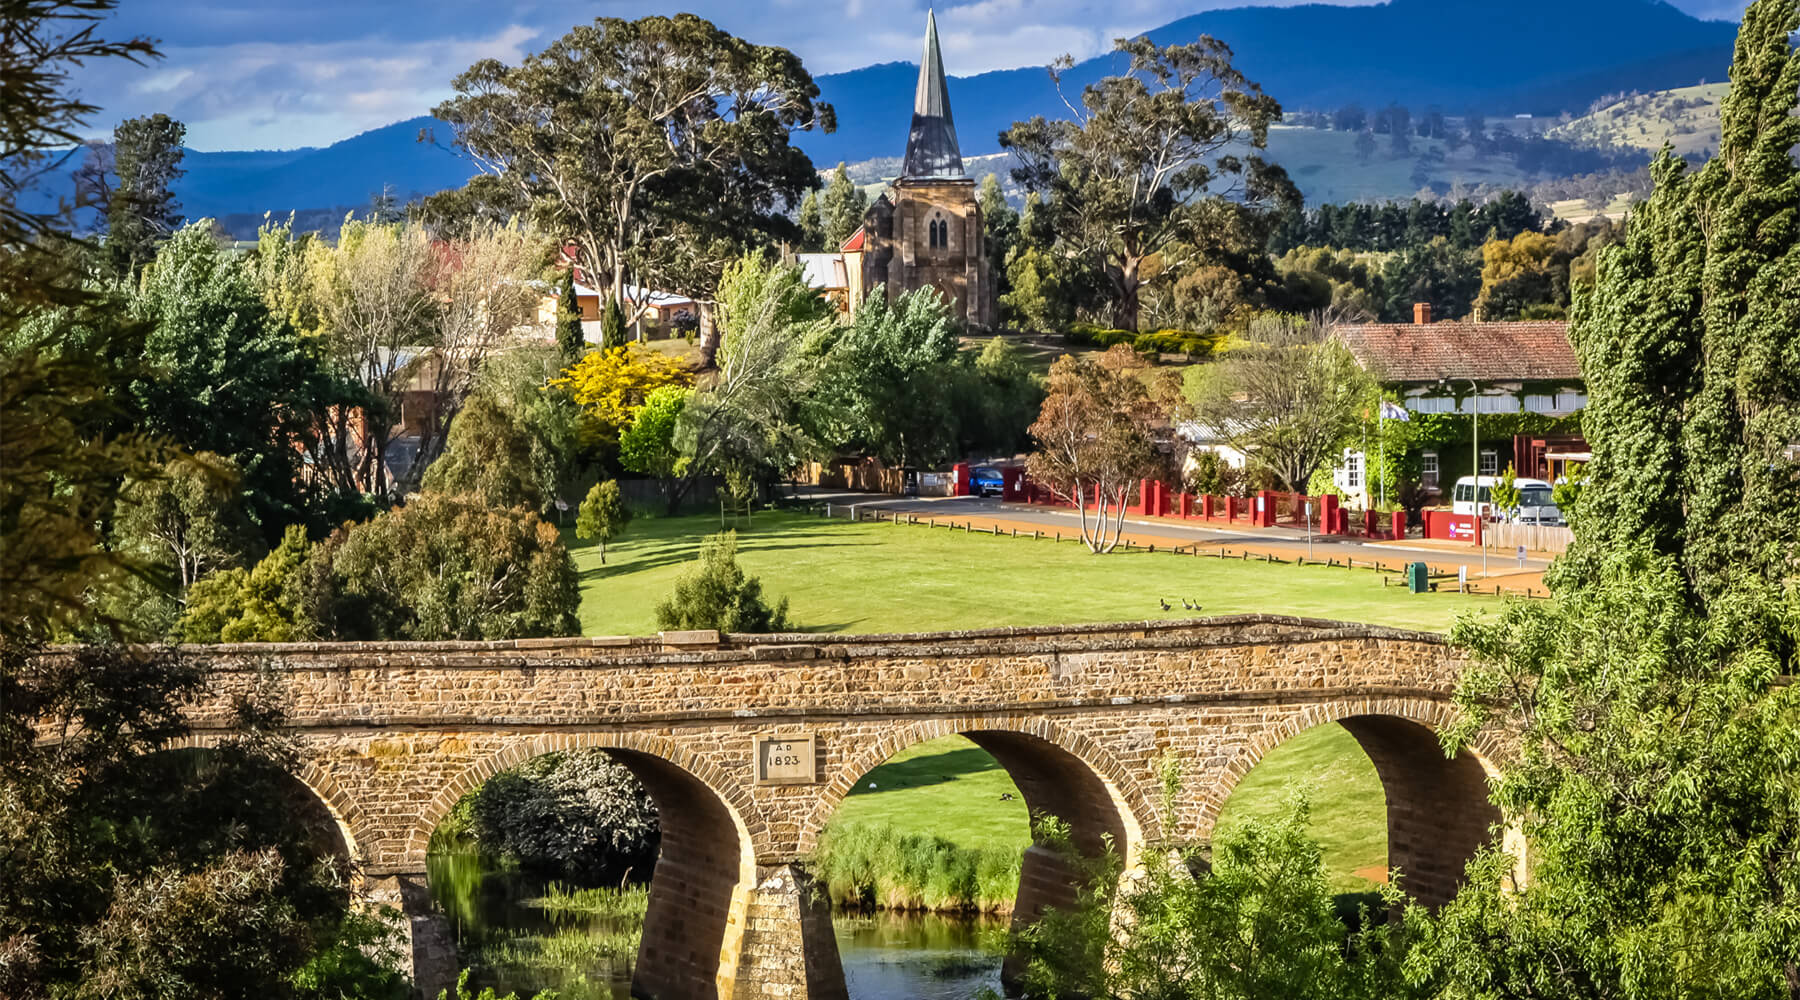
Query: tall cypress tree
[
  {"x": 842, "y": 208},
  {"x": 612, "y": 326},
  {"x": 1690, "y": 342},
  {"x": 569, "y": 339},
  {"x": 812, "y": 226}
]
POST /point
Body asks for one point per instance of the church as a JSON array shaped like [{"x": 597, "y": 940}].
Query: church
[{"x": 925, "y": 231}]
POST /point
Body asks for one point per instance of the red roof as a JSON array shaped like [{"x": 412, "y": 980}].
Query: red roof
[
  {"x": 855, "y": 242},
  {"x": 1430, "y": 352}
]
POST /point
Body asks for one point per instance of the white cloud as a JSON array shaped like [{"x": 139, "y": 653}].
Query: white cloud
[{"x": 268, "y": 95}]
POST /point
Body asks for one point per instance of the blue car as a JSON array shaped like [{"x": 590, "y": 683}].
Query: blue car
[{"x": 987, "y": 481}]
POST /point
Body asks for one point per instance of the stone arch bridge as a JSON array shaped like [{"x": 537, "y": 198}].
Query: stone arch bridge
[{"x": 748, "y": 743}]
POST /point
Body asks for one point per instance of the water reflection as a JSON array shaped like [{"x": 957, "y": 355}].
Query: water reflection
[
  {"x": 928, "y": 956},
  {"x": 520, "y": 934}
]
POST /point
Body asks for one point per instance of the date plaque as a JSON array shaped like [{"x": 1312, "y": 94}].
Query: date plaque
[{"x": 786, "y": 760}]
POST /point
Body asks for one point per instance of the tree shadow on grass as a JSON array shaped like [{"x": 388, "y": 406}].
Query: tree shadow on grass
[
  {"x": 688, "y": 553},
  {"x": 932, "y": 769}
]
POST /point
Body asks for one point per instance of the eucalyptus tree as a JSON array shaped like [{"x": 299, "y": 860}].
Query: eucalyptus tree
[
  {"x": 627, "y": 138},
  {"x": 1126, "y": 174}
]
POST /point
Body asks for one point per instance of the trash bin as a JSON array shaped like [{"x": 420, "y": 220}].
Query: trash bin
[{"x": 1418, "y": 577}]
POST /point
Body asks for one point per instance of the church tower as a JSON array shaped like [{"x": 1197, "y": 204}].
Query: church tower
[{"x": 926, "y": 231}]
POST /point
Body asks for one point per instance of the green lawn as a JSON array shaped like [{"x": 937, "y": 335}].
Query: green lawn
[
  {"x": 951, "y": 788},
  {"x": 947, "y": 787},
  {"x": 1348, "y": 810},
  {"x": 883, "y": 577}
]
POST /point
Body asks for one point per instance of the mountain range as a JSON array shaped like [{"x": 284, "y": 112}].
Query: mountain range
[{"x": 1539, "y": 57}]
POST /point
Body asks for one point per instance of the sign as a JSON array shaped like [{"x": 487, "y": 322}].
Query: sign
[
  {"x": 1462, "y": 579},
  {"x": 1462, "y": 528},
  {"x": 786, "y": 760},
  {"x": 1521, "y": 557}
]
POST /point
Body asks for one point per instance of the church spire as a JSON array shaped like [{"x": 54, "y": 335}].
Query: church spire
[{"x": 931, "y": 149}]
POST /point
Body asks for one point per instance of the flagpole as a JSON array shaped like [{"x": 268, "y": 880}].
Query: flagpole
[{"x": 1381, "y": 445}]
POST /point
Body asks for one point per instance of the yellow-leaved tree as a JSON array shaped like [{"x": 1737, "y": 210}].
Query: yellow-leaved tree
[{"x": 610, "y": 386}]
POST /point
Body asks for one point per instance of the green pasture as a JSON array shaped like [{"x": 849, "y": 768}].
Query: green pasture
[{"x": 882, "y": 577}]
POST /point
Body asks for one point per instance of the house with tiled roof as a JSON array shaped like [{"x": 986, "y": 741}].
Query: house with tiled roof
[{"x": 1499, "y": 372}]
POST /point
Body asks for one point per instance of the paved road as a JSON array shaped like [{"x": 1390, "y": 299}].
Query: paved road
[{"x": 1281, "y": 540}]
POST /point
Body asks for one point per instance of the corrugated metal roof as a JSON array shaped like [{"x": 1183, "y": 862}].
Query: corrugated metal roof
[{"x": 822, "y": 270}]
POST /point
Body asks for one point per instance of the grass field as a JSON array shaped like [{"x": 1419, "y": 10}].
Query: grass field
[
  {"x": 952, "y": 789},
  {"x": 1687, "y": 118},
  {"x": 883, "y": 577},
  {"x": 947, "y": 787},
  {"x": 1348, "y": 812}
]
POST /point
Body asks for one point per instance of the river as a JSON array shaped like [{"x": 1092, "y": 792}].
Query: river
[{"x": 521, "y": 934}]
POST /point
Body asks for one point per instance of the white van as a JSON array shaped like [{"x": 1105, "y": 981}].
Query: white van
[{"x": 1535, "y": 507}]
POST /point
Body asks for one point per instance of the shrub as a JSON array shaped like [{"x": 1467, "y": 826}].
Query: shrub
[
  {"x": 451, "y": 568},
  {"x": 716, "y": 593},
  {"x": 1162, "y": 341},
  {"x": 578, "y": 816}
]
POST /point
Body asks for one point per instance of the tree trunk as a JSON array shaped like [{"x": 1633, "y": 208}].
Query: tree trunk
[
  {"x": 709, "y": 336},
  {"x": 1126, "y": 287}
]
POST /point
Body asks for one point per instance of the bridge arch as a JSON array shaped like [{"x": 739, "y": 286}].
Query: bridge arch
[
  {"x": 1058, "y": 772},
  {"x": 1016, "y": 735},
  {"x": 1438, "y": 811},
  {"x": 353, "y": 826},
  {"x": 705, "y": 875}
]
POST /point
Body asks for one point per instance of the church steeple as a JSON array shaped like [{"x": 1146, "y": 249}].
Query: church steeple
[{"x": 931, "y": 149}]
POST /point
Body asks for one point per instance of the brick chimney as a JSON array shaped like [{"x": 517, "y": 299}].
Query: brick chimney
[{"x": 1422, "y": 313}]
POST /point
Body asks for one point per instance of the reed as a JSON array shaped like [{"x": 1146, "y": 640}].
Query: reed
[{"x": 873, "y": 866}]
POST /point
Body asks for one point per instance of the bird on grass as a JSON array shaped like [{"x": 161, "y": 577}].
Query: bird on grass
[
  {"x": 1196, "y": 604},
  {"x": 1165, "y": 604},
  {"x": 1185, "y": 604}
]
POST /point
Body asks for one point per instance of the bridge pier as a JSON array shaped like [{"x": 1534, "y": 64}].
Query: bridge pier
[
  {"x": 788, "y": 948},
  {"x": 429, "y": 945}
]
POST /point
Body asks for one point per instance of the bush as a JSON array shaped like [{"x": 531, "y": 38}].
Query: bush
[
  {"x": 715, "y": 593},
  {"x": 577, "y": 816},
  {"x": 1162, "y": 341},
  {"x": 450, "y": 568}
]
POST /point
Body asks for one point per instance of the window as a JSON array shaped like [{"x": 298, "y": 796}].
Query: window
[
  {"x": 1490, "y": 463},
  {"x": 1428, "y": 470},
  {"x": 940, "y": 234},
  {"x": 1352, "y": 470}
]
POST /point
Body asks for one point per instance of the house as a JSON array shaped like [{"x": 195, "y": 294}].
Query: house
[
  {"x": 661, "y": 313},
  {"x": 1506, "y": 370},
  {"x": 828, "y": 273}
]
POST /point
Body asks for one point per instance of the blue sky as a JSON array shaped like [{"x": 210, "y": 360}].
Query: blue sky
[{"x": 272, "y": 74}]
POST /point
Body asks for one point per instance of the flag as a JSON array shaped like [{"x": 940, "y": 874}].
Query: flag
[{"x": 1394, "y": 411}]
